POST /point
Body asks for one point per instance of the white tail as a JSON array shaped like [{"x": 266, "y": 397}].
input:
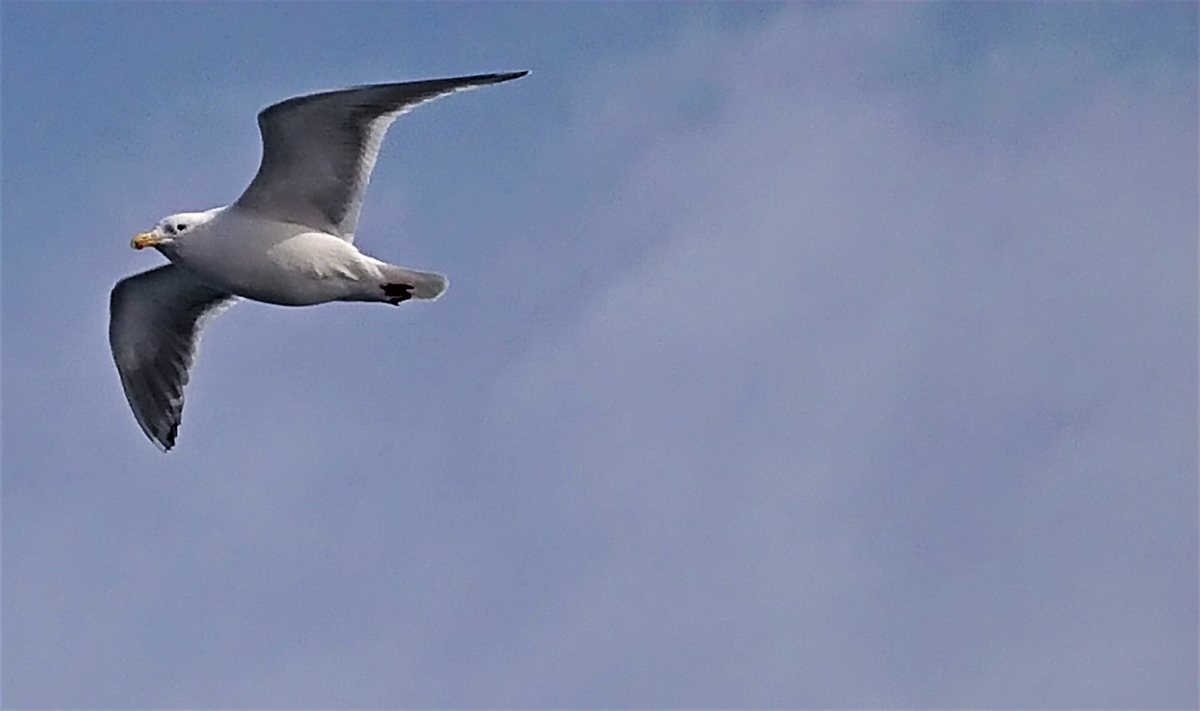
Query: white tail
[{"x": 424, "y": 285}]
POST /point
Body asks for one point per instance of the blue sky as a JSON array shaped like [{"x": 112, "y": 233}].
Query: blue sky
[{"x": 794, "y": 356}]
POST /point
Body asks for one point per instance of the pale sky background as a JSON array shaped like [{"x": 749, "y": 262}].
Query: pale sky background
[{"x": 794, "y": 356}]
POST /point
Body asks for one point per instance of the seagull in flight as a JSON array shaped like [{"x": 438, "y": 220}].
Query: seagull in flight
[{"x": 288, "y": 240}]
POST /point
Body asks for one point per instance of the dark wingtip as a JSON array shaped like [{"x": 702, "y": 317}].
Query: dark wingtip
[
  {"x": 505, "y": 76},
  {"x": 164, "y": 441}
]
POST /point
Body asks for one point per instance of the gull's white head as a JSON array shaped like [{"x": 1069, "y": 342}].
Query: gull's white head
[{"x": 172, "y": 229}]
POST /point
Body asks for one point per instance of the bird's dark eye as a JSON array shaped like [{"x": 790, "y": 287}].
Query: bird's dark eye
[{"x": 181, "y": 227}]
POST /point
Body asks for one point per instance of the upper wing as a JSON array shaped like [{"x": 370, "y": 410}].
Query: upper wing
[
  {"x": 154, "y": 324},
  {"x": 318, "y": 150}
]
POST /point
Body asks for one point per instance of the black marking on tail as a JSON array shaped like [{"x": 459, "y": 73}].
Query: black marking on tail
[{"x": 397, "y": 293}]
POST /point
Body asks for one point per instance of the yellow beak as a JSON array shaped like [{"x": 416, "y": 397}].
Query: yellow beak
[{"x": 144, "y": 240}]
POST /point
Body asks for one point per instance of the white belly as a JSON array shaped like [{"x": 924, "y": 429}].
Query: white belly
[{"x": 275, "y": 262}]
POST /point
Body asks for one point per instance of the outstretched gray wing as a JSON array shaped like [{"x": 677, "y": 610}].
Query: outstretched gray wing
[
  {"x": 154, "y": 324},
  {"x": 319, "y": 150}
]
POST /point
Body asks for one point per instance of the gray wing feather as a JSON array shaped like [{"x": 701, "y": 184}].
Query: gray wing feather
[
  {"x": 319, "y": 150},
  {"x": 154, "y": 325}
]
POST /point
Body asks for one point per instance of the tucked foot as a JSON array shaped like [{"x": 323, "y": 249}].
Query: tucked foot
[{"x": 397, "y": 293}]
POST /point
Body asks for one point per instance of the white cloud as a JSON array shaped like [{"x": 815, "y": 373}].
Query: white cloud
[
  {"x": 820, "y": 425},
  {"x": 819, "y": 370}
]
